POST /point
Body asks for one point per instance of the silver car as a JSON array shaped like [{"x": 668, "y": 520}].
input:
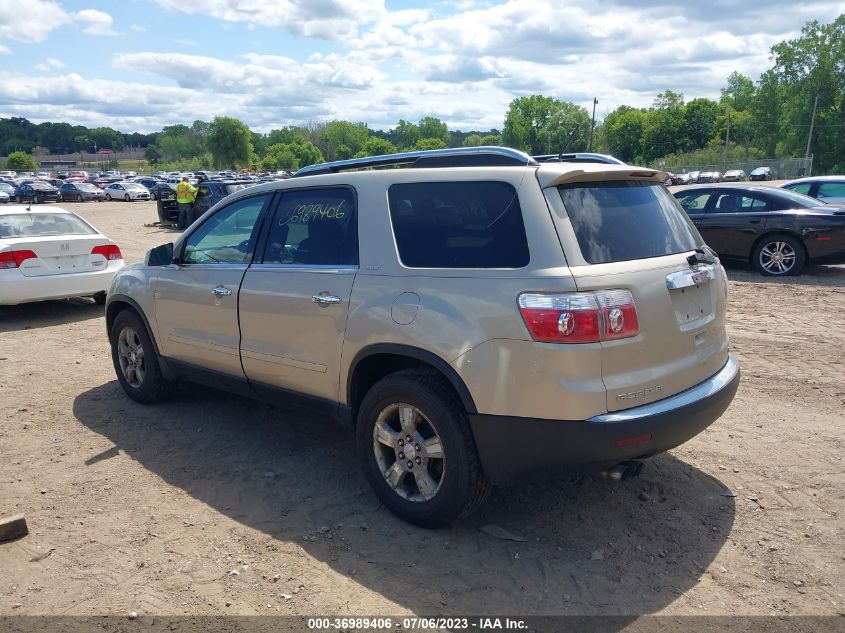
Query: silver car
[
  {"x": 472, "y": 317},
  {"x": 828, "y": 189}
]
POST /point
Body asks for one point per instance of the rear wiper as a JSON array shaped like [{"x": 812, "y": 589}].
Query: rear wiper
[{"x": 702, "y": 256}]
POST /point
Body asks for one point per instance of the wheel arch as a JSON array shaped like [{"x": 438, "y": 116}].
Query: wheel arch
[
  {"x": 374, "y": 362},
  {"x": 119, "y": 303}
]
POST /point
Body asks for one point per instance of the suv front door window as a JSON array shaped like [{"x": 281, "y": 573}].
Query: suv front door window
[
  {"x": 197, "y": 299},
  {"x": 293, "y": 304}
]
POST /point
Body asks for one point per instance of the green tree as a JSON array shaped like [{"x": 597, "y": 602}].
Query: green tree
[
  {"x": 376, "y": 146},
  {"x": 106, "y": 137},
  {"x": 766, "y": 112},
  {"x": 405, "y": 135},
  {"x": 541, "y": 125},
  {"x": 809, "y": 67},
  {"x": 473, "y": 140},
  {"x": 622, "y": 130},
  {"x": 21, "y": 161},
  {"x": 430, "y": 143},
  {"x": 152, "y": 154},
  {"x": 285, "y": 135},
  {"x": 259, "y": 144},
  {"x": 291, "y": 156},
  {"x": 230, "y": 142},
  {"x": 739, "y": 92},
  {"x": 661, "y": 132},
  {"x": 340, "y": 140},
  {"x": 432, "y": 127},
  {"x": 491, "y": 139},
  {"x": 699, "y": 122}
]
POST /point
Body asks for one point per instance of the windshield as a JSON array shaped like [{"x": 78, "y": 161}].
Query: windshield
[
  {"x": 621, "y": 220},
  {"x": 86, "y": 186},
  {"x": 132, "y": 185},
  {"x": 40, "y": 185},
  {"x": 6, "y": 187},
  {"x": 43, "y": 224}
]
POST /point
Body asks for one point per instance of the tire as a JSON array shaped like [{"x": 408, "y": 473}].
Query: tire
[
  {"x": 456, "y": 483},
  {"x": 19, "y": 199},
  {"x": 108, "y": 197},
  {"x": 79, "y": 198},
  {"x": 779, "y": 255},
  {"x": 126, "y": 198},
  {"x": 100, "y": 298},
  {"x": 39, "y": 200},
  {"x": 147, "y": 385}
]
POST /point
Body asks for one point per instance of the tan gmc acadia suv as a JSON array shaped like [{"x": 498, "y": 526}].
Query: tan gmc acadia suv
[{"x": 473, "y": 316}]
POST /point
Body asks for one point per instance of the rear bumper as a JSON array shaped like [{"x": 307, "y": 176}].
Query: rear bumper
[
  {"x": 16, "y": 288},
  {"x": 511, "y": 446}
]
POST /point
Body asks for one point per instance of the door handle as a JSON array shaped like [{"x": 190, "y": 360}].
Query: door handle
[
  {"x": 326, "y": 299},
  {"x": 222, "y": 291}
]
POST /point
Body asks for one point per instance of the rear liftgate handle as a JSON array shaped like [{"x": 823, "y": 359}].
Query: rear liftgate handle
[{"x": 222, "y": 291}]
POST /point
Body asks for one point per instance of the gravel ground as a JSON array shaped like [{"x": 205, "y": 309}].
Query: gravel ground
[{"x": 213, "y": 504}]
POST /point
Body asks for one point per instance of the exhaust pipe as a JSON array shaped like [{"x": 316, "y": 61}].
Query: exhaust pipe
[{"x": 623, "y": 470}]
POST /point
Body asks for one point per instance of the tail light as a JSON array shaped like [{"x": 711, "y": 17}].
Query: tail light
[
  {"x": 579, "y": 317},
  {"x": 109, "y": 251},
  {"x": 13, "y": 259}
]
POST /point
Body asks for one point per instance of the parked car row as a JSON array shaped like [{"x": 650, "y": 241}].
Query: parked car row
[{"x": 731, "y": 175}]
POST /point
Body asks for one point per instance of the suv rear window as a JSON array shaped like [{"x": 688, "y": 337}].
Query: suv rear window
[
  {"x": 621, "y": 220},
  {"x": 458, "y": 225}
]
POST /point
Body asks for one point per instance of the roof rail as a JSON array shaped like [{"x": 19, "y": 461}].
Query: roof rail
[{"x": 486, "y": 156}]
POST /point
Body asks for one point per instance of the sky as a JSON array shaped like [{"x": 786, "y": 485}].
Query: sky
[{"x": 138, "y": 65}]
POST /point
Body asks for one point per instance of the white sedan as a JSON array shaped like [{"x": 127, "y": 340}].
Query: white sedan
[
  {"x": 53, "y": 254},
  {"x": 127, "y": 191},
  {"x": 4, "y": 197}
]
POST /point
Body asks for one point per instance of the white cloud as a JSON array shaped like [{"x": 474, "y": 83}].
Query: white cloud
[
  {"x": 30, "y": 21},
  {"x": 5, "y": 50},
  {"x": 97, "y": 22},
  {"x": 460, "y": 60},
  {"x": 138, "y": 28},
  {"x": 323, "y": 19},
  {"x": 51, "y": 63}
]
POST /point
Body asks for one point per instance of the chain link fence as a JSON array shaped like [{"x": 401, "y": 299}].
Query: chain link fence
[{"x": 782, "y": 168}]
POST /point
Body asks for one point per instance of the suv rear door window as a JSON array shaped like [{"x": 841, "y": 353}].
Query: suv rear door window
[
  {"x": 458, "y": 225},
  {"x": 621, "y": 220}
]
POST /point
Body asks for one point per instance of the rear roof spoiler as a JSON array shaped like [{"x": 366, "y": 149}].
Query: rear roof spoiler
[{"x": 556, "y": 174}]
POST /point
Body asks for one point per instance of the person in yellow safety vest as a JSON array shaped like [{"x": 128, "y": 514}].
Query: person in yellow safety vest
[{"x": 186, "y": 193}]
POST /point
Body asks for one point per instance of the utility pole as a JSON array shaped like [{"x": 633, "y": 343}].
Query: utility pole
[
  {"x": 592, "y": 124},
  {"x": 810, "y": 135},
  {"x": 727, "y": 140}
]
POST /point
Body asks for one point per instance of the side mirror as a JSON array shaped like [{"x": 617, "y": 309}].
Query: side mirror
[{"x": 160, "y": 255}]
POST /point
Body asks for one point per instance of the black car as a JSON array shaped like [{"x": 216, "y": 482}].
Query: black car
[
  {"x": 209, "y": 193},
  {"x": 778, "y": 231},
  {"x": 147, "y": 181},
  {"x": 81, "y": 192},
  {"x": 761, "y": 173},
  {"x": 158, "y": 187},
  {"x": 37, "y": 192}
]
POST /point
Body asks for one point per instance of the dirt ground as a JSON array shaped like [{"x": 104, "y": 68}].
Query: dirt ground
[{"x": 213, "y": 504}]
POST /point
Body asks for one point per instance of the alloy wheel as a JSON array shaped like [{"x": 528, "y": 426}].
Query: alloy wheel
[
  {"x": 130, "y": 353},
  {"x": 777, "y": 258},
  {"x": 409, "y": 452}
]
